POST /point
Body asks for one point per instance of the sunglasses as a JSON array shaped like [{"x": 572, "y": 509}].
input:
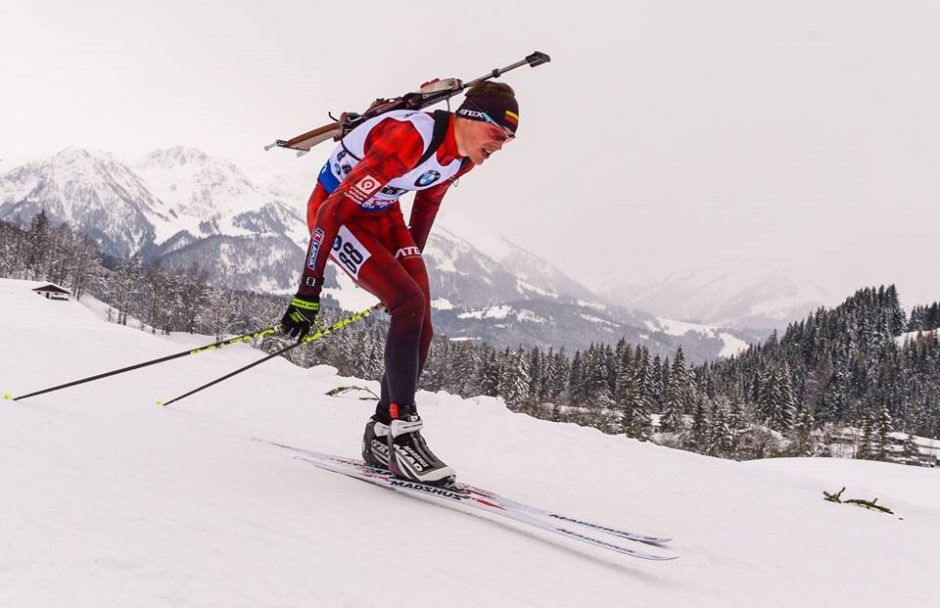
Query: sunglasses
[{"x": 507, "y": 134}]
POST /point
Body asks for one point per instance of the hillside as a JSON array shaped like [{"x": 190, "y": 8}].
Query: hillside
[{"x": 110, "y": 500}]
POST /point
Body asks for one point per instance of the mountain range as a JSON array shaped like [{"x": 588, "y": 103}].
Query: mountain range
[
  {"x": 184, "y": 207},
  {"x": 741, "y": 294}
]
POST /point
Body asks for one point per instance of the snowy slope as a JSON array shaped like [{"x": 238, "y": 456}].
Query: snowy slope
[
  {"x": 109, "y": 500},
  {"x": 731, "y": 343}
]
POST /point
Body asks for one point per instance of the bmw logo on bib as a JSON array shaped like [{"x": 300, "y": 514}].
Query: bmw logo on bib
[{"x": 427, "y": 178}]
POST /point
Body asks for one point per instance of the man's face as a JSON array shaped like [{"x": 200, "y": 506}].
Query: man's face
[{"x": 485, "y": 139}]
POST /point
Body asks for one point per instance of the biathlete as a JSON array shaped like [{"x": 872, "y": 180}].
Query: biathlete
[{"x": 354, "y": 217}]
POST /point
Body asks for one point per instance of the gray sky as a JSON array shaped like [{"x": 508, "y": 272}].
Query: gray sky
[{"x": 663, "y": 134}]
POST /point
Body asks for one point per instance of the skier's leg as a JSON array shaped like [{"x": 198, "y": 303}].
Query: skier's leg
[
  {"x": 374, "y": 268},
  {"x": 409, "y": 256},
  {"x": 392, "y": 437}
]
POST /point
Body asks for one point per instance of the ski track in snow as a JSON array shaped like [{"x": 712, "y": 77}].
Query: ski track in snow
[{"x": 107, "y": 499}]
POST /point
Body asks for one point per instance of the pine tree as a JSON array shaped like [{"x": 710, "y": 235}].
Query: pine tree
[
  {"x": 559, "y": 372},
  {"x": 737, "y": 425},
  {"x": 514, "y": 378},
  {"x": 910, "y": 450},
  {"x": 536, "y": 376},
  {"x": 817, "y": 384},
  {"x": 598, "y": 377},
  {"x": 883, "y": 429},
  {"x": 490, "y": 372},
  {"x": 722, "y": 436},
  {"x": 678, "y": 394},
  {"x": 658, "y": 385},
  {"x": 635, "y": 406},
  {"x": 786, "y": 408},
  {"x": 464, "y": 368},
  {"x": 803, "y": 432},
  {"x": 624, "y": 371},
  {"x": 775, "y": 401},
  {"x": 865, "y": 448},
  {"x": 576, "y": 384},
  {"x": 699, "y": 436},
  {"x": 39, "y": 237}
]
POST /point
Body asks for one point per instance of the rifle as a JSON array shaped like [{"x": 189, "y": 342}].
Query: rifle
[{"x": 429, "y": 94}]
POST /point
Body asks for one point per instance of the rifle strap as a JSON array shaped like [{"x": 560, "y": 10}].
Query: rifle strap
[{"x": 441, "y": 124}]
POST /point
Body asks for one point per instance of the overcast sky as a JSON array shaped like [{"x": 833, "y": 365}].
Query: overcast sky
[{"x": 663, "y": 135}]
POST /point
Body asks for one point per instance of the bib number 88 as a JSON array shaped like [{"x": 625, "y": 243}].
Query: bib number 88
[{"x": 349, "y": 252}]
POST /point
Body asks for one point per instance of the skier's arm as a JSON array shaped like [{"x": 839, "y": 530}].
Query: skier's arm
[
  {"x": 391, "y": 151},
  {"x": 424, "y": 210}
]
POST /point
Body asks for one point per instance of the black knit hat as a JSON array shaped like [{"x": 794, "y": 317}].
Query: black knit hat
[{"x": 502, "y": 109}]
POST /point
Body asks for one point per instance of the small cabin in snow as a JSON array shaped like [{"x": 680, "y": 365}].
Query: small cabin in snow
[{"x": 51, "y": 291}]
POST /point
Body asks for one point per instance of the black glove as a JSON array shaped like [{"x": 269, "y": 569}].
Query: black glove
[{"x": 300, "y": 315}]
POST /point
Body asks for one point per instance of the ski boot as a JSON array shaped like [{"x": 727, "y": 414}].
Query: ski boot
[{"x": 399, "y": 447}]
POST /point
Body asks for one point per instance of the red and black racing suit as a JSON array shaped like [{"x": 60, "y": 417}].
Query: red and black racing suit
[{"x": 394, "y": 270}]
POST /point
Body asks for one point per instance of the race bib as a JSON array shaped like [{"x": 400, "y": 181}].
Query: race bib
[{"x": 348, "y": 252}]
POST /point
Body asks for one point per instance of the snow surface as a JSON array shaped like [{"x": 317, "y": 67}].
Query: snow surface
[
  {"x": 492, "y": 312},
  {"x": 530, "y": 317},
  {"x": 108, "y": 500},
  {"x": 914, "y": 335},
  {"x": 524, "y": 286},
  {"x": 595, "y": 305},
  {"x": 732, "y": 345},
  {"x": 680, "y": 328},
  {"x": 442, "y": 304},
  {"x": 597, "y": 320}
]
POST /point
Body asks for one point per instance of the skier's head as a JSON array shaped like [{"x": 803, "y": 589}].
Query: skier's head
[
  {"x": 487, "y": 119},
  {"x": 493, "y": 102}
]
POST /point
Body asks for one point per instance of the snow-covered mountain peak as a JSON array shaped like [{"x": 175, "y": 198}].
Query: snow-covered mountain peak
[
  {"x": 204, "y": 195},
  {"x": 75, "y": 164},
  {"x": 175, "y": 156},
  {"x": 70, "y": 155},
  {"x": 193, "y": 183},
  {"x": 536, "y": 275},
  {"x": 88, "y": 189}
]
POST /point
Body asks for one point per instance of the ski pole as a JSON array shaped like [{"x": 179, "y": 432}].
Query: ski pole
[
  {"x": 307, "y": 339},
  {"x": 195, "y": 351}
]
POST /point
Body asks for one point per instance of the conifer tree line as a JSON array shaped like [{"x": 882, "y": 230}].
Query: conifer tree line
[
  {"x": 45, "y": 252},
  {"x": 839, "y": 367},
  {"x": 155, "y": 298},
  {"x": 924, "y": 318},
  {"x": 160, "y": 300}
]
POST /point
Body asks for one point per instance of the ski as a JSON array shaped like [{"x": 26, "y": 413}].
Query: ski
[
  {"x": 488, "y": 494},
  {"x": 451, "y": 497}
]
